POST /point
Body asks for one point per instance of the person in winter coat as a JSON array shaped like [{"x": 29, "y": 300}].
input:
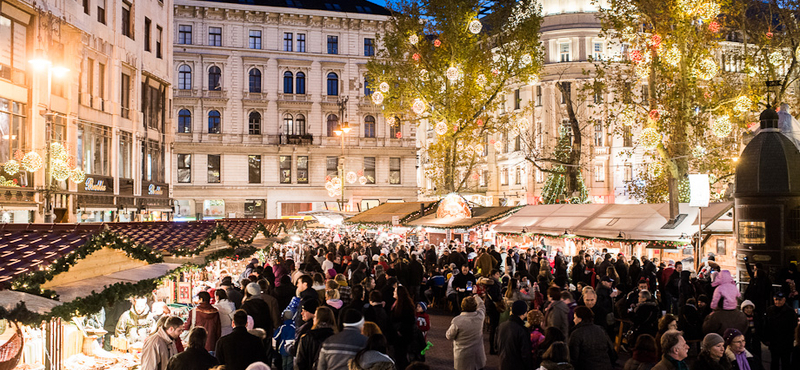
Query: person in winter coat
[
  {"x": 283, "y": 336},
  {"x": 645, "y": 354},
  {"x": 195, "y": 356},
  {"x": 557, "y": 313},
  {"x": 645, "y": 316},
  {"x": 754, "y": 328},
  {"x": 719, "y": 320},
  {"x": 675, "y": 352},
  {"x": 556, "y": 357},
  {"x": 725, "y": 292},
  {"x": 712, "y": 354},
  {"x": 759, "y": 291},
  {"x": 515, "y": 351},
  {"x": 225, "y": 308},
  {"x": 234, "y": 295},
  {"x": 589, "y": 346},
  {"x": 373, "y": 356},
  {"x": 343, "y": 346},
  {"x": 285, "y": 292},
  {"x": 206, "y": 316},
  {"x": 466, "y": 332},
  {"x": 257, "y": 308},
  {"x": 159, "y": 347},
  {"x": 781, "y": 321},
  {"x": 239, "y": 349},
  {"x": 739, "y": 357},
  {"x": 310, "y": 343},
  {"x": 423, "y": 319}
]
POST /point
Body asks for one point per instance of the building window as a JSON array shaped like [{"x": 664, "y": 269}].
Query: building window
[
  {"x": 254, "y": 121},
  {"x": 502, "y": 98},
  {"x": 628, "y": 174},
  {"x": 12, "y": 128},
  {"x": 214, "y": 77},
  {"x": 332, "y": 167},
  {"x": 94, "y": 149},
  {"x": 214, "y": 122},
  {"x": 285, "y": 175},
  {"x": 300, "y": 125},
  {"x": 563, "y": 51},
  {"x": 287, "y": 41},
  {"x": 600, "y": 172},
  {"x": 539, "y": 176},
  {"x": 184, "y": 168},
  {"x": 215, "y": 36},
  {"x": 333, "y": 122},
  {"x": 504, "y": 176},
  {"x": 518, "y": 175},
  {"x": 300, "y": 83},
  {"x": 287, "y": 82},
  {"x": 394, "y": 130},
  {"x": 185, "y": 34},
  {"x": 254, "y": 169},
  {"x": 301, "y": 42},
  {"x": 184, "y": 77},
  {"x": 147, "y": 25},
  {"x": 598, "y": 97},
  {"x": 125, "y": 95},
  {"x": 369, "y": 126},
  {"x": 288, "y": 124},
  {"x": 101, "y": 11},
  {"x": 539, "y": 95},
  {"x": 598, "y": 134},
  {"x": 598, "y": 51},
  {"x": 369, "y": 47},
  {"x": 101, "y": 84},
  {"x": 127, "y": 26},
  {"x": 394, "y": 171},
  {"x": 125, "y": 147},
  {"x": 254, "y": 208},
  {"x": 255, "y": 39},
  {"x": 184, "y": 121},
  {"x": 152, "y": 161},
  {"x": 627, "y": 137},
  {"x": 86, "y": 7},
  {"x": 645, "y": 94},
  {"x": 517, "y": 99},
  {"x": 517, "y": 144},
  {"x": 255, "y": 80},
  {"x": 159, "y": 36},
  {"x": 213, "y": 168},
  {"x": 369, "y": 169},
  {"x": 302, "y": 169},
  {"x": 333, "y": 84},
  {"x": 484, "y": 178},
  {"x": 333, "y": 45}
]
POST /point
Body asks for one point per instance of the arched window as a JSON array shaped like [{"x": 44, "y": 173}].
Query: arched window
[
  {"x": 214, "y": 77},
  {"x": 369, "y": 126},
  {"x": 184, "y": 77},
  {"x": 300, "y": 124},
  {"x": 255, "y": 80},
  {"x": 333, "y": 84},
  {"x": 333, "y": 121},
  {"x": 184, "y": 121},
  {"x": 300, "y": 83},
  {"x": 288, "y": 124},
  {"x": 254, "y": 123},
  {"x": 214, "y": 122},
  {"x": 287, "y": 82}
]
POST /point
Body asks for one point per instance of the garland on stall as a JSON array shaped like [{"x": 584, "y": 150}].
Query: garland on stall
[
  {"x": 479, "y": 221},
  {"x": 407, "y": 218},
  {"x": 664, "y": 244}
]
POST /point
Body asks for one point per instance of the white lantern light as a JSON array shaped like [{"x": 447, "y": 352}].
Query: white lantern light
[
  {"x": 475, "y": 26},
  {"x": 377, "y": 98},
  {"x": 418, "y": 107},
  {"x": 384, "y": 86}
]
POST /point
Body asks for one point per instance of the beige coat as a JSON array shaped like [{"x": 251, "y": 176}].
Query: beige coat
[
  {"x": 157, "y": 350},
  {"x": 466, "y": 332}
]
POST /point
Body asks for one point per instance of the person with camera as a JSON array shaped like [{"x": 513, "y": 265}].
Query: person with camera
[{"x": 463, "y": 284}]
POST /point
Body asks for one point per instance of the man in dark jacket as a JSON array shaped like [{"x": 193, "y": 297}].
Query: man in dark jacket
[
  {"x": 343, "y": 346},
  {"x": 589, "y": 346},
  {"x": 779, "y": 335},
  {"x": 234, "y": 295},
  {"x": 239, "y": 349},
  {"x": 195, "y": 356},
  {"x": 515, "y": 352},
  {"x": 415, "y": 274}
]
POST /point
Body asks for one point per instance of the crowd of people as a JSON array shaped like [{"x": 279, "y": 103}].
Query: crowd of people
[{"x": 349, "y": 302}]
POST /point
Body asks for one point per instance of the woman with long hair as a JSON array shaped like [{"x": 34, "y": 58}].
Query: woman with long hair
[
  {"x": 311, "y": 342},
  {"x": 373, "y": 356},
  {"x": 551, "y": 335},
  {"x": 556, "y": 357},
  {"x": 403, "y": 317},
  {"x": 645, "y": 354}
]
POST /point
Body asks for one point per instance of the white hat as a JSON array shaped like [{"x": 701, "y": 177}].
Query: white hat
[{"x": 746, "y": 303}]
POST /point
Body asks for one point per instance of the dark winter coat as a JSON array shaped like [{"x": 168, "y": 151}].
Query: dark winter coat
[
  {"x": 208, "y": 318},
  {"x": 260, "y": 311},
  {"x": 239, "y": 349},
  {"x": 720, "y": 320},
  {"x": 590, "y": 348},
  {"x": 645, "y": 318},
  {"x": 779, "y": 330},
  {"x": 705, "y": 362},
  {"x": 192, "y": 359},
  {"x": 515, "y": 348},
  {"x": 309, "y": 346},
  {"x": 550, "y": 365}
]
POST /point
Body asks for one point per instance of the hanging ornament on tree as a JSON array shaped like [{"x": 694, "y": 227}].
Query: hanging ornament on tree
[
  {"x": 533, "y": 80},
  {"x": 655, "y": 41},
  {"x": 423, "y": 74},
  {"x": 699, "y": 151},
  {"x": 479, "y": 122},
  {"x": 418, "y": 107},
  {"x": 475, "y": 26},
  {"x": 415, "y": 57},
  {"x": 526, "y": 59},
  {"x": 480, "y": 80},
  {"x": 649, "y": 138},
  {"x": 708, "y": 10},
  {"x": 391, "y": 120},
  {"x": 384, "y": 86},
  {"x": 655, "y": 169},
  {"x": 452, "y": 73},
  {"x": 498, "y": 146},
  {"x": 477, "y": 148},
  {"x": 654, "y": 115},
  {"x": 11, "y": 167},
  {"x": 437, "y": 43},
  {"x": 413, "y": 39},
  {"x": 60, "y": 170},
  {"x": 722, "y": 127},
  {"x": 77, "y": 175},
  {"x": 57, "y": 151},
  {"x": 672, "y": 56},
  {"x": 362, "y": 180},
  {"x": 707, "y": 68},
  {"x": 377, "y": 98},
  {"x": 627, "y": 117},
  {"x": 635, "y": 55},
  {"x": 714, "y": 26},
  {"x": 32, "y": 162},
  {"x": 776, "y": 58},
  {"x": 769, "y": 35},
  {"x": 743, "y": 104},
  {"x": 398, "y": 135},
  {"x": 495, "y": 72},
  {"x": 440, "y": 128}
]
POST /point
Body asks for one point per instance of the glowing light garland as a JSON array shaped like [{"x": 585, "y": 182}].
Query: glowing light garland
[
  {"x": 452, "y": 73},
  {"x": 77, "y": 175},
  {"x": 377, "y": 98},
  {"x": 60, "y": 170},
  {"x": 413, "y": 39},
  {"x": 418, "y": 106},
  {"x": 707, "y": 68},
  {"x": 32, "y": 162},
  {"x": 440, "y": 128},
  {"x": 743, "y": 104},
  {"x": 649, "y": 138},
  {"x": 523, "y": 11},
  {"x": 384, "y": 86},
  {"x": 11, "y": 167},
  {"x": 776, "y": 58},
  {"x": 722, "y": 127},
  {"x": 475, "y": 26}
]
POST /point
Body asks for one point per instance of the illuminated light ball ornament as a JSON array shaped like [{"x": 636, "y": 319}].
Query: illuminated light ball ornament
[
  {"x": 475, "y": 26},
  {"x": 699, "y": 151},
  {"x": 707, "y": 68},
  {"x": 437, "y": 43},
  {"x": 377, "y": 98},
  {"x": 655, "y": 41},
  {"x": 526, "y": 59},
  {"x": 769, "y": 35},
  {"x": 57, "y": 151},
  {"x": 743, "y": 104},
  {"x": 478, "y": 149},
  {"x": 523, "y": 124},
  {"x": 708, "y": 10},
  {"x": 391, "y": 120},
  {"x": 362, "y": 180},
  {"x": 636, "y": 56},
  {"x": 496, "y": 72},
  {"x": 398, "y": 135},
  {"x": 328, "y": 185},
  {"x": 452, "y": 73},
  {"x": 533, "y": 80},
  {"x": 418, "y": 106},
  {"x": 11, "y": 167},
  {"x": 654, "y": 115},
  {"x": 655, "y": 169},
  {"x": 627, "y": 117},
  {"x": 480, "y": 80},
  {"x": 423, "y": 74},
  {"x": 415, "y": 57},
  {"x": 18, "y": 155},
  {"x": 672, "y": 56},
  {"x": 351, "y": 177},
  {"x": 77, "y": 175},
  {"x": 722, "y": 127},
  {"x": 384, "y": 86},
  {"x": 60, "y": 170},
  {"x": 642, "y": 70},
  {"x": 650, "y": 138},
  {"x": 498, "y": 146},
  {"x": 714, "y": 26},
  {"x": 775, "y": 58},
  {"x": 32, "y": 162},
  {"x": 337, "y": 182},
  {"x": 413, "y": 39},
  {"x": 440, "y": 128}
]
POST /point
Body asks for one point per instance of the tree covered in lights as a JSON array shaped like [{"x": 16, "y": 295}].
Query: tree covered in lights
[
  {"x": 556, "y": 188},
  {"x": 669, "y": 85},
  {"x": 447, "y": 64}
]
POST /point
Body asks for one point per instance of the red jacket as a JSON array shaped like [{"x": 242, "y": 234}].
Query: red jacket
[{"x": 207, "y": 317}]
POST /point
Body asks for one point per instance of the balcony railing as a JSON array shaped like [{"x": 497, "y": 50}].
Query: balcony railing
[
  {"x": 297, "y": 139},
  {"x": 293, "y": 97},
  {"x": 187, "y": 93},
  {"x": 601, "y": 150},
  {"x": 215, "y": 93}
]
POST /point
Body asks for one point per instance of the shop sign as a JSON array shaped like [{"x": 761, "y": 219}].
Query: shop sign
[
  {"x": 154, "y": 189},
  {"x": 98, "y": 184}
]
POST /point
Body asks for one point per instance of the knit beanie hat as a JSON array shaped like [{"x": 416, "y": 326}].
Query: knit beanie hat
[
  {"x": 730, "y": 334},
  {"x": 253, "y": 289},
  {"x": 519, "y": 308},
  {"x": 746, "y": 303},
  {"x": 711, "y": 340},
  {"x": 353, "y": 318},
  {"x": 423, "y": 305}
]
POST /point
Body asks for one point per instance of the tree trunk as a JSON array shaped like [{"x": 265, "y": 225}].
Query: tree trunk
[{"x": 573, "y": 169}]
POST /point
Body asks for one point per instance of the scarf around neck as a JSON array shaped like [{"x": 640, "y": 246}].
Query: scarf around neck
[{"x": 741, "y": 359}]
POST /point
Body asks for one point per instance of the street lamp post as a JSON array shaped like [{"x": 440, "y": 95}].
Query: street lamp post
[{"x": 341, "y": 131}]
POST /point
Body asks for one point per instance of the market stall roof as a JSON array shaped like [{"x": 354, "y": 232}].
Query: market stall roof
[
  {"x": 480, "y": 215},
  {"x": 165, "y": 236},
  {"x": 83, "y": 288},
  {"x": 631, "y": 221},
  {"x": 384, "y": 213},
  {"x": 9, "y": 299}
]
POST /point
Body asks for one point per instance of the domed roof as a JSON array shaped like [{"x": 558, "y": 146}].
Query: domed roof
[{"x": 769, "y": 165}]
